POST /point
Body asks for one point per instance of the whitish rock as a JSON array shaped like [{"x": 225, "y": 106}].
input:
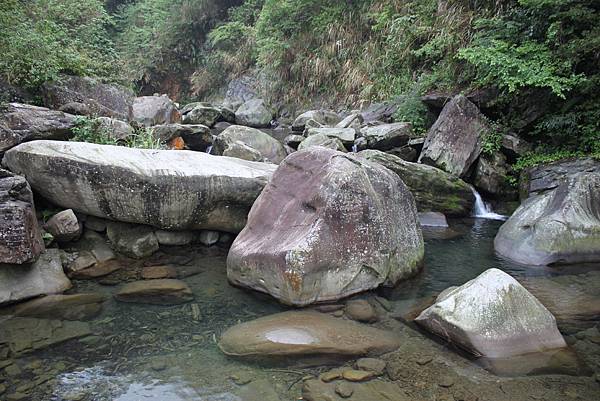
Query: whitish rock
[
  {"x": 254, "y": 113},
  {"x": 20, "y": 238},
  {"x": 196, "y": 136},
  {"x": 159, "y": 292},
  {"x": 267, "y": 146},
  {"x": 136, "y": 241},
  {"x": 387, "y": 136},
  {"x": 45, "y": 276},
  {"x": 64, "y": 226},
  {"x": 305, "y": 335},
  {"x": 433, "y": 189},
  {"x": 494, "y": 316},
  {"x": 560, "y": 226},
  {"x": 344, "y": 225},
  {"x": 323, "y": 141},
  {"x": 63, "y": 307},
  {"x": 23, "y": 122},
  {"x": 174, "y": 238},
  {"x": 324, "y": 117},
  {"x": 346, "y": 135},
  {"x": 453, "y": 143},
  {"x": 433, "y": 219},
  {"x": 353, "y": 120},
  {"x": 154, "y": 110},
  {"x": 166, "y": 189}
]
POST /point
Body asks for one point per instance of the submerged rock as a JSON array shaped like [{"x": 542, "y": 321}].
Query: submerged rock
[
  {"x": 433, "y": 219},
  {"x": 20, "y": 237},
  {"x": 158, "y": 292},
  {"x": 560, "y": 226},
  {"x": 63, "y": 307},
  {"x": 375, "y": 390},
  {"x": 493, "y": 316},
  {"x": 166, "y": 189},
  {"x": 304, "y": 336},
  {"x": 453, "y": 143},
  {"x": 434, "y": 190},
  {"x": 343, "y": 225},
  {"x": 45, "y": 276},
  {"x": 268, "y": 147}
]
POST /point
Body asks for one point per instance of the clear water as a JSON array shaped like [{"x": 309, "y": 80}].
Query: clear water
[{"x": 145, "y": 352}]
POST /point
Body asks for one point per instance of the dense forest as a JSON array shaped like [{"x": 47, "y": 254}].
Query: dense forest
[{"x": 531, "y": 65}]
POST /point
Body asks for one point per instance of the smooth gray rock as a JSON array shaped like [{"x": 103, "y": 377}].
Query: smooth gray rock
[
  {"x": 346, "y": 135},
  {"x": 196, "y": 136},
  {"x": 557, "y": 227},
  {"x": 453, "y": 143},
  {"x": 322, "y": 140},
  {"x": 353, "y": 120},
  {"x": 154, "y": 110},
  {"x": 254, "y": 113},
  {"x": 64, "y": 307},
  {"x": 45, "y": 276},
  {"x": 387, "y": 136},
  {"x": 23, "y": 122},
  {"x": 268, "y": 147},
  {"x": 64, "y": 226},
  {"x": 240, "y": 150},
  {"x": 324, "y": 117},
  {"x": 173, "y": 190},
  {"x": 344, "y": 225},
  {"x": 175, "y": 238},
  {"x": 493, "y": 316},
  {"x": 20, "y": 237},
  {"x": 136, "y": 241}
]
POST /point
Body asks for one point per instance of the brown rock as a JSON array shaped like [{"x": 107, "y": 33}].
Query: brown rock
[
  {"x": 159, "y": 292},
  {"x": 62, "y": 307},
  {"x": 354, "y": 375},
  {"x": 344, "y": 389},
  {"x": 377, "y": 366},
  {"x": 64, "y": 226},
  {"x": 361, "y": 310},
  {"x": 158, "y": 272},
  {"x": 99, "y": 269}
]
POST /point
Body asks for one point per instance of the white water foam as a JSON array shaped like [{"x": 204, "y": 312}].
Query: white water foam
[{"x": 483, "y": 210}]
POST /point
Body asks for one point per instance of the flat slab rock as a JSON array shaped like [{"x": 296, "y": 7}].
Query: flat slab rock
[
  {"x": 375, "y": 390},
  {"x": 305, "y": 335},
  {"x": 158, "y": 292},
  {"x": 63, "y": 307},
  {"x": 167, "y": 189},
  {"x": 493, "y": 316}
]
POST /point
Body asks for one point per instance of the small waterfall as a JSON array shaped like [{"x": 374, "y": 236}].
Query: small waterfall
[
  {"x": 484, "y": 210},
  {"x": 209, "y": 149},
  {"x": 354, "y": 148}
]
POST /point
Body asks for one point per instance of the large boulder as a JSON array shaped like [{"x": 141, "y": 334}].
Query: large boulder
[
  {"x": 45, "y": 276},
  {"x": 166, "y": 189},
  {"x": 387, "y": 136},
  {"x": 560, "y": 226},
  {"x": 453, "y": 143},
  {"x": 491, "y": 176},
  {"x": 305, "y": 335},
  {"x": 20, "y": 238},
  {"x": 108, "y": 100},
  {"x": 346, "y": 135},
  {"x": 343, "y": 225},
  {"x": 322, "y": 140},
  {"x": 270, "y": 148},
  {"x": 493, "y": 316},
  {"x": 433, "y": 189},
  {"x": 254, "y": 113},
  {"x": 23, "y": 122},
  {"x": 154, "y": 110},
  {"x": 201, "y": 113},
  {"x": 324, "y": 117}
]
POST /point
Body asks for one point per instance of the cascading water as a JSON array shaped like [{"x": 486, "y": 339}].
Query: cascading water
[
  {"x": 483, "y": 210},
  {"x": 209, "y": 149}
]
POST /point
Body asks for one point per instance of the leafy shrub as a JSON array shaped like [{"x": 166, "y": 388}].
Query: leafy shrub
[{"x": 88, "y": 129}]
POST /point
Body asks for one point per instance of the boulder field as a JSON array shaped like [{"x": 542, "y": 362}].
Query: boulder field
[
  {"x": 326, "y": 226},
  {"x": 165, "y": 189}
]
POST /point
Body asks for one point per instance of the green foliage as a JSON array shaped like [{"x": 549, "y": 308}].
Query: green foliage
[
  {"x": 411, "y": 109},
  {"x": 90, "y": 130},
  {"x": 492, "y": 139},
  {"x": 534, "y": 159},
  {"x": 41, "y": 38}
]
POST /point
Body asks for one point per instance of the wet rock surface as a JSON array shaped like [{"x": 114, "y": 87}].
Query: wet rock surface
[
  {"x": 160, "y": 292},
  {"x": 62, "y": 307}
]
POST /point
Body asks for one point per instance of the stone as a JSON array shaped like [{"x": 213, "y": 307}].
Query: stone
[
  {"x": 201, "y": 114},
  {"x": 331, "y": 375},
  {"x": 100, "y": 99},
  {"x": 405, "y": 153},
  {"x": 345, "y": 225},
  {"x": 434, "y": 190},
  {"x": 306, "y": 336},
  {"x": 135, "y": 241},
  {"x": 154, "y": 110},
  {"x": 453, "y": 143},
  {"x": 45, "y": 276},
  {"x": 20, "y": 237},
  {"x": 491, "y": 176},
  {"x": 24, "y": 334},
  {"x": 493, "y": 316},
  {"x": 513, "y": 146},
  {"x": 175, "y": 238},
  {"x": 268, "y": 147},
  {"x": 63, "y": 307},
  {"x": 377, "y": 366},
  {"x": 345, "y": 135},
  {"x": 259, "y": 390},
  {"x": 64, "y": 226},
  {"x": 433, "y": 219},
  {"x": 387, "y": 136},
  {"x": 557, "y": 227},
  {"x": 357, "y": 375},
  {"x": 95, "y": 224},
  {"x": 96, "y": 244},
  {"x": 99, "y": 269},
  {"x": 171, "y": 190},
  {"x": 112, "y": 128},
  {"x": 254, "y": 113},
  {"x": 240, "y": 150},
  {"x": 378, "y": 112},
  {"x": 195, "y": 136},
  {"x": 157, "y": 292},
  {"x": 361, "y": 310},
  {"x": 82, "y": 261},
  {"x": 324, "y": 117},
  {"x": 322, "y": 140},
  {"x": 23, "y": 122},
  {"x": 293, "y": 140},
  {"x": 344, "y": 389},
  {"x": 374, "y": 390},
  {"x": 353, "y": 120},
  {"x": 158, "y": 272},
  {"x": 208, "y": 237}
]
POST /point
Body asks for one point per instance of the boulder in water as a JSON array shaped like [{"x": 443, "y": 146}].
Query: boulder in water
[
  {"x": 268, "y": 147},
  {"x": 560, "y": 226},
  {"x": 493, "y": 316},
  {"x": 166, "y": 189},
  {"x": 342, "y": 225}
]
